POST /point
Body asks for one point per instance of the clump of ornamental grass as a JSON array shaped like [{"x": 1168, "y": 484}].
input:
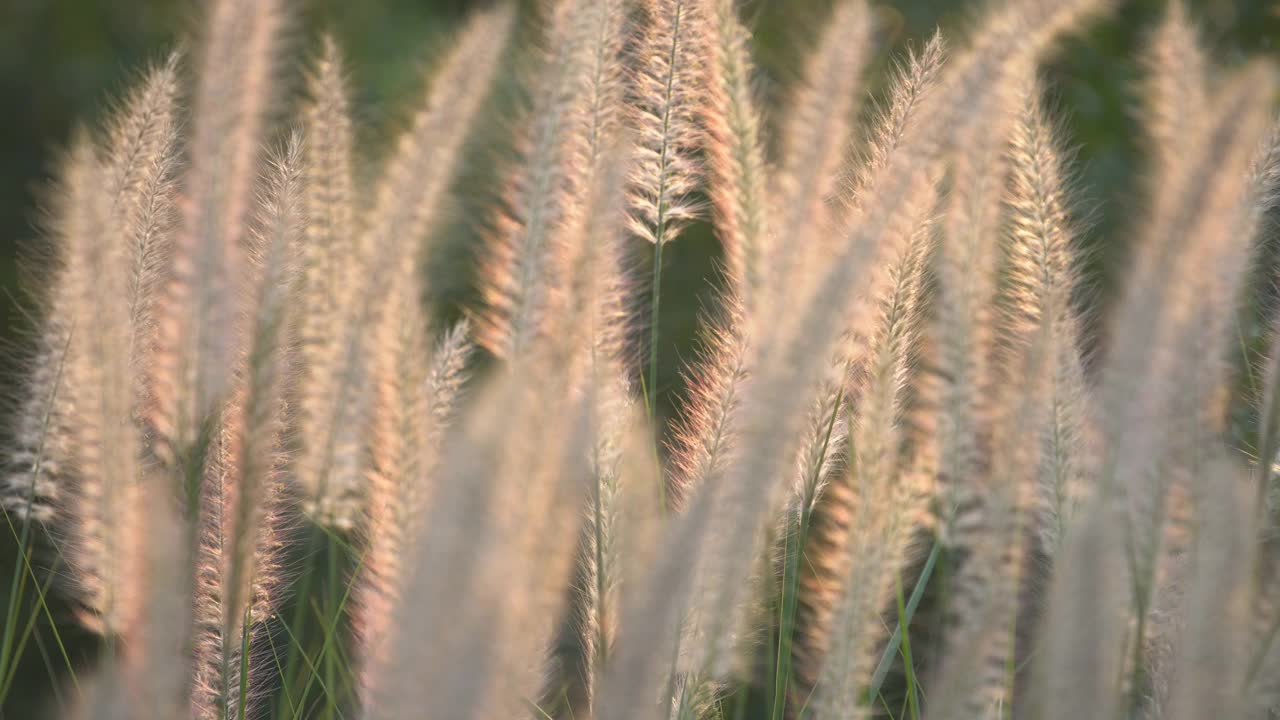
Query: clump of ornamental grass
[{"x": 271, "y": 486}]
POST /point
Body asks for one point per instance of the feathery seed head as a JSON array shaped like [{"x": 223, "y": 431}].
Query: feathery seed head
[{"x": 670, "y": 57}]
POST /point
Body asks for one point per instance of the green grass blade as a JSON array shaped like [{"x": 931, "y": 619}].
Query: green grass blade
[{"x": 904, "y": 622}]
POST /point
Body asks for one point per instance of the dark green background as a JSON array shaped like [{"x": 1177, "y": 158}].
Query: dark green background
[{"x": 60, "y": 59}]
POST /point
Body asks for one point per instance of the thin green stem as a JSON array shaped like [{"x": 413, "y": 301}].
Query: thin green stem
[
  {"x": 1137, "y": 681},
  {"x": 280, "y": 673},
  {"x": 660, "y": 229},
  {"x": 54, "y": 686},
  {"x": 244, "y": 661},
  {"x": 299, "y": 615},
  {"x": 791, "y": 571},
  {"x": 11, "y": 619},
  {"x": 786, "y": 613},
  {"x": 655, "y": 305},
  {"x": 41, "y": 591},
  {"x": 314, "y": 676},
  {"x": 331, "y": 626},
  {"x": 329, "y": 635},
  {"x": 18, "y": 581},
  {"x": 904, "y": 622},
  {"x": 740, "y": 705}
]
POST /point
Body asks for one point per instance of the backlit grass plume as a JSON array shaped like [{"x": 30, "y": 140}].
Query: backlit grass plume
[
  {"x": 251, "y": 474},
  {"x": 1042, "y": 272},
  {"x": 668, "y": 74},
  {"x": 238, "y": 582},
  {"x": 736, "y": 153}
]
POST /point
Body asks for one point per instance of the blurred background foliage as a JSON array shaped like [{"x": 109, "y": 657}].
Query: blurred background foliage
[{"x": 61, "y": 59}]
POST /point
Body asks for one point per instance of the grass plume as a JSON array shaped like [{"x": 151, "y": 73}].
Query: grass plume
[{"x": 670, "y": 66}]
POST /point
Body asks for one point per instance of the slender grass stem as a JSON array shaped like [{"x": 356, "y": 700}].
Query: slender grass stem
[
  {"x": 18, "y": 581},
  {"x": 660, "y": 229},
  {"x": 244, "y": 662},
  {"x": 54, "y": 686},
  {"x": 904, "y": 622},
  {"x": 786, "y": 613},
  {"x": 791, "y": 571},
  {"x": 299, "y": 615},
  {"x": 1137, "y": 679},
  {"x": 654, "y": 334},
  {"x": 331, "y": 627},
  {"x": 11, "y": 619},
  {"x": 41, "y": 594},
  {"x": 328, "y": 643},
  {"x": 740, "y": 705},
  {"x": 654, "y": 307},
  {"x": 284, "y": 684},
  {"x": 314, "y": 676},
  {"x": 15, "y": 599}
]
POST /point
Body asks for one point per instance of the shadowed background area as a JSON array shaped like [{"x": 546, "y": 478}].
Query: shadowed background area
[{"x": 59, "y": 60}]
